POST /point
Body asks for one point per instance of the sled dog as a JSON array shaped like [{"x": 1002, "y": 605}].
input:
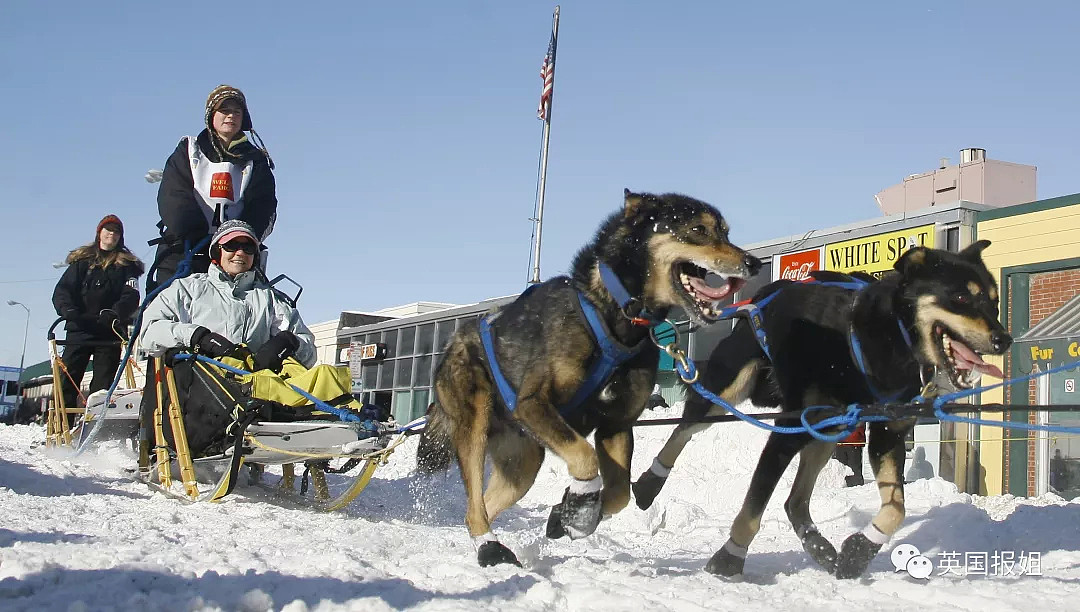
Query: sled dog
[
  {"x": 539, "y": 389},
  {"x": 929, "y": 319}
]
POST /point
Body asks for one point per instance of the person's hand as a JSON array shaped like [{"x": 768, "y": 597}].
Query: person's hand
[
  {"x": 275, "y": 351},
  {"x": 210, "y": 344},
  {"x": 106, "y": 318}
]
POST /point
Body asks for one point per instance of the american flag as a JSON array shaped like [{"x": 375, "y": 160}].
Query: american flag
[{"x": 547, "y": 72}]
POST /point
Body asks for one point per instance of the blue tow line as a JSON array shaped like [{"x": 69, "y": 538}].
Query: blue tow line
[{"x": 854, "y": 415}]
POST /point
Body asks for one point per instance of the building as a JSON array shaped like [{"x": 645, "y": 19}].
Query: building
[
  {"x": 975, "y": 179},
  {"x": 1035, "y": 256},
  {"x": 9, "y": 390}
]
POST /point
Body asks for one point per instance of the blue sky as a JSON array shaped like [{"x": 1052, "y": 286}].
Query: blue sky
[{"x": 406, "y": 139}]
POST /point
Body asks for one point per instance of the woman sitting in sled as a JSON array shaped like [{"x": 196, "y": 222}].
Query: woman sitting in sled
[{"x": 231, "y": 314}]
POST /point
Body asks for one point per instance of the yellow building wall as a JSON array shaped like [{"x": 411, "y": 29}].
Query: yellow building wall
[{"x": 1028, "y": 238}]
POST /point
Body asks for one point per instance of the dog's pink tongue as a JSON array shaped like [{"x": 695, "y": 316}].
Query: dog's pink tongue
[
  {"x": 968, "y": 359},
  {"x": 714, "y": 293}
]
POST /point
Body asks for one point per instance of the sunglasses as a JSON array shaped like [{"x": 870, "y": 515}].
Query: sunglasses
[{"x": 240, "y": 245}]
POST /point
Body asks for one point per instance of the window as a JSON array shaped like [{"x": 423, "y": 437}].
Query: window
[
  {"x": 371, "y": 376},
  {"x": 403, "y": 376},
  {"x": 423, "y": 371},
  {"x": 390, "y": 338},
  {"x": 402, "y": 407},
  {"x": 419, "y": 403},
  {"x": 386, "y": 375},
  {"x": 443, "y": 333},
  {"x": 425, "y": 339},
  {"x": 406, "y": 339},
  {"x": 952, "y": 239}
]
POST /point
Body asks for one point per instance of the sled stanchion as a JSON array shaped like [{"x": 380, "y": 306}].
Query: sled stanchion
[
  {"x": 179, "y": 434},
  {"x": 161, "y": 448}
]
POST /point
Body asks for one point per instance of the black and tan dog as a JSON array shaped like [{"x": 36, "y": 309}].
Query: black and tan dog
[
  {"x": 834, "y": 345},
  {"x": 541, "y": 391}
]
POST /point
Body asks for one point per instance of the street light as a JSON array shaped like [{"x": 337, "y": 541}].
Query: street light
[{"x": 22, "y": 357}]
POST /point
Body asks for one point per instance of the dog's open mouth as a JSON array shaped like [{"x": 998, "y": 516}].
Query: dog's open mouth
[
  {"x": 962, "y": 363},
  {"x": 704, "y": 297}
]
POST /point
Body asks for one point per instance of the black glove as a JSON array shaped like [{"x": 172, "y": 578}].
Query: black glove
[
  {"x": 72, "y": 314},
  {"x": 210, "y": 344},
  {"x": 169, "y": 358},
  {"x": 106, "y": 318},
  {"x": 275, "y": 351}
]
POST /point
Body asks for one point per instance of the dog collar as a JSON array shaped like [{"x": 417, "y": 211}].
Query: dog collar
[{"x": 622, "y": 296}]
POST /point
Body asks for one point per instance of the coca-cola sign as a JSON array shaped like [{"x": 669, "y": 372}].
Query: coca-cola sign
[{"x": 797, "y": 266}]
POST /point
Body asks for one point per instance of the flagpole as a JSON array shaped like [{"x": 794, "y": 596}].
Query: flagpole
[{"x": 548, "y": 96}]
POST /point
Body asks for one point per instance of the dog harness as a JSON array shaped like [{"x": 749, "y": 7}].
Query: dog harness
[
  {"x": 752, "y": 312},
  {"x": 612, "y": 352}
]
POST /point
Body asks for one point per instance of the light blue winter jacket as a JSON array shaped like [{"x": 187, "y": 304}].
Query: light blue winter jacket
[{"x": 244, "y": 310}]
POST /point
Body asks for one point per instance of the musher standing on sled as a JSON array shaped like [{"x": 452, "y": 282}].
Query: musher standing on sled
[
  {"x": 212, "y": 178},
  {"x": 97, "y": 293}
]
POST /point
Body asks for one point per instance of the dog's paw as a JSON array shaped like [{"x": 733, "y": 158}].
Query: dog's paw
[
  {"x": 494, "y": 553},
  {"x": 726, "y": 564},
  {"x": 646, "y": 488},
  {"x": 855, "y": 556},
  {"x": 820, "y": 550}
]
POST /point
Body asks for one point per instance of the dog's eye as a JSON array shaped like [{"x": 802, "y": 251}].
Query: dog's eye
[
  {"x": 699, "y": 229},
  {"x": 962, "y": 298}
]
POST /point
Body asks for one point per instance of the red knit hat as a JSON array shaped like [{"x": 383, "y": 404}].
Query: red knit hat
[{"x": 110, "y": 220}]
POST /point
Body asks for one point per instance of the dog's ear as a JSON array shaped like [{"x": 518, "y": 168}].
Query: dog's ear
[
  {"x": 631, "y": 203},
  {"x": 974, "y": 250},
  {"x": 916, "y": 259}
]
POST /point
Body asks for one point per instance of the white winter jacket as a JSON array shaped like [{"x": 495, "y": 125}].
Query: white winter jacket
[{"x": 241, "y": 309}]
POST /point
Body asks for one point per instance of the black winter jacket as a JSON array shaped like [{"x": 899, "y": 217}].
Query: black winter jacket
[
  {"x": 84, "y": 290},
  {"x": 181, "y": 213}
]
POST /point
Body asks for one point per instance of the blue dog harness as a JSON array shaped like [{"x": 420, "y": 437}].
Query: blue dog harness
[{"x": 612, "y": 352}]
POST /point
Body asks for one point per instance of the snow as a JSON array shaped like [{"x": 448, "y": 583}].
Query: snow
[{"x": 80, "y": 535}]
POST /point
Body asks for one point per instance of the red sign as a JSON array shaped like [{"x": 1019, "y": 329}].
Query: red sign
[
  {"x": 798, "y": 266},
  {"x": 221, "y": 185}
]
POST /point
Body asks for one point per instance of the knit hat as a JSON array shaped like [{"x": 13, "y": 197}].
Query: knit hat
[
  {"x": 233, "y": 229},
  {"x": 219, "y": 95},
  {"x": 110, "y": 220}
]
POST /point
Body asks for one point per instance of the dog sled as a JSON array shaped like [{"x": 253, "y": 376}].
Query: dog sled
[
  {"x": 116, "y": 416},
  {"x": 202, "y": 424}
]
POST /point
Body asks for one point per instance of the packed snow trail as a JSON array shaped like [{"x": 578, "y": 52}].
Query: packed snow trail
[{"x": 81, "y": 535}]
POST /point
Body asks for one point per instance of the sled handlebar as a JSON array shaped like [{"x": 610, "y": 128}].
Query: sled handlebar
[{"x": 52, "y": 338}]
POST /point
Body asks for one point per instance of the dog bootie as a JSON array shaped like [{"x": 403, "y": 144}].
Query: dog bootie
[
  {"x": 494, "y": 553},
  {"x": 728, "y": 562},
  {"x": 648, "y": 486},
  {"x": 579, "y": 512},
  {"x": 820, "y": 550},
  {"x": 856, "y": 554}
]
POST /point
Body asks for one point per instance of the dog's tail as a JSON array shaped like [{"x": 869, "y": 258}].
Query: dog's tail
[{"x": 435, "y": 452}]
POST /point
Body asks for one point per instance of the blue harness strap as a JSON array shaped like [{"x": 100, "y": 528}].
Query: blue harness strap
[{"x": 612, "y": 352}]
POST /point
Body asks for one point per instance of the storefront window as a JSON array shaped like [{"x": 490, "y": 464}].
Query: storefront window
[
  {"x": 404, "y": 372},
  {"x": 423, "y": 371},
  {"x": 406, "y": 339},
  {"x": 425, "y": 339}
]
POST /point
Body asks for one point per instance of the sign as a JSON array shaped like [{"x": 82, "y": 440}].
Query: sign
[
  {"x": 797, "y": 266},
  {"x": 354, "y": 360},
  {"x": 373, "y": 351},
  {"x": 876, "y": 254},
  {"x": 1070, "y": 385},
  {"x": 1044, "y": 355}
]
